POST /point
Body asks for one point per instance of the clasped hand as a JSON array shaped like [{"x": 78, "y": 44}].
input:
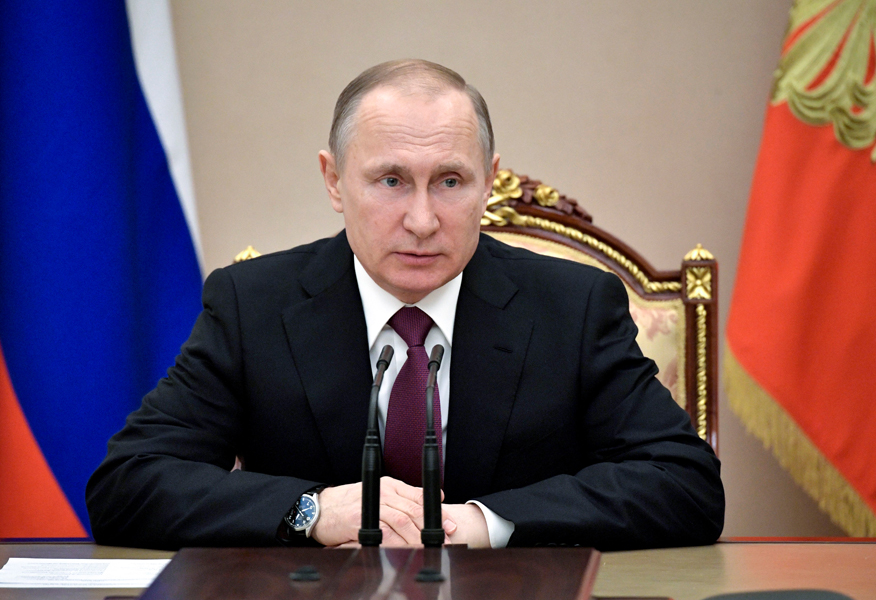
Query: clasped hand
[{"x": 401, "y": 517}]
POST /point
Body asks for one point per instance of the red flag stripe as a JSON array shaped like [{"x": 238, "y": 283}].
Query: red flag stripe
[{"x": 31, "y": 503}]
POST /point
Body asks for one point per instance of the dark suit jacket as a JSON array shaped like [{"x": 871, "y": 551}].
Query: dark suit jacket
[{"x": 556, "y": 421}]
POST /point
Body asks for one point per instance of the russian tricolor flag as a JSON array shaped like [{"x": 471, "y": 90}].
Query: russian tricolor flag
[{"x": 99, "y": 269}]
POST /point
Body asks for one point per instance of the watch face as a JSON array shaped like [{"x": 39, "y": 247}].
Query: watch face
[{"x": 305, "y": 512}]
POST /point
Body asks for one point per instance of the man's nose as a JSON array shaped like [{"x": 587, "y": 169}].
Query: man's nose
[{"x": 420, "y": 217}]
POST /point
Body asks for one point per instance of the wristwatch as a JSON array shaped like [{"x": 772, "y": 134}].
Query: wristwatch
[{"x": 302, "y": 517}]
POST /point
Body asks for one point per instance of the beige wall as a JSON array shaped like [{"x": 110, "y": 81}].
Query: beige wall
[{"x": 649, "y": 112}]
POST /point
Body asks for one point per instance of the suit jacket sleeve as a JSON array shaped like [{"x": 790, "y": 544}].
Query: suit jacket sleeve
[
  {"x": 166, "y": 481},
  {"x": 631, "y": 472}
]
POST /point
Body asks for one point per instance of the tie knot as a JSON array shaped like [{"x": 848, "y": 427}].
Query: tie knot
[{"x": 412, "y": 324}]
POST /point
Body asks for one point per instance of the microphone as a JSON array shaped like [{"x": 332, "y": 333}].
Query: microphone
[
  {"x": 372, "y": 462},
  {"x": 432, "y": 535}
]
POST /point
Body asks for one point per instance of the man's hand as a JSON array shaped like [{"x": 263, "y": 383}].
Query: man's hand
[
  {"x": 401, "y": 514},
  {"x": 465, "y": 524}
]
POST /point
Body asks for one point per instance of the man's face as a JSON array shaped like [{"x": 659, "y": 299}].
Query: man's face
[{"x": 413, "y": 188}]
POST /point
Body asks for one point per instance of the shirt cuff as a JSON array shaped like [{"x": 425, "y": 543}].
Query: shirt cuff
[{"x": 500, "y": 529}]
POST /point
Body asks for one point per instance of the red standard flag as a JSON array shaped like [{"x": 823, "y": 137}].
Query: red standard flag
[{"x": 801, "y": 335}]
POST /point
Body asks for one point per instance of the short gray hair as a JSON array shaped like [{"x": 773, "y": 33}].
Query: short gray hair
[{"x": 421, "y": 74}]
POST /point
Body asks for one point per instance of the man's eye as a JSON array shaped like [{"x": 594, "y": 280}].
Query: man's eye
[
  {"x": 451, "y": 182},
  {"x": 391, "y": 181}
]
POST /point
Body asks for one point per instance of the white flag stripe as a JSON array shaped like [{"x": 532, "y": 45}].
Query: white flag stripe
[{"x": 155, "y": 59}]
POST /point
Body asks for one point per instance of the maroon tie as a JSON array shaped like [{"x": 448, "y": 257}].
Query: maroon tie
[{"x": 406, "y": 416}]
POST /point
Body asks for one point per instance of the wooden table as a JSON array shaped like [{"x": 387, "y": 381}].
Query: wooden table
[
  {"x": 680, "y": 573},
  {"x": 695, "y": 573}
]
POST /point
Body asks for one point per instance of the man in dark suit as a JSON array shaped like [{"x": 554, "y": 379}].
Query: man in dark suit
[{"x": 554, "y": 428}]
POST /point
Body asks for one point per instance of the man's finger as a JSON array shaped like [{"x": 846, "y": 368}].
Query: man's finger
[
  {"x": 403, "y": 498},
  {"x": 390, "y": 537},
  {"x": 401, "y": 524},
  {"x": 414, "y": 494}
]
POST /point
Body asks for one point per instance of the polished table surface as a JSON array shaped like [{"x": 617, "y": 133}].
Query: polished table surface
[
  {"x": 679, "y": 573},
  {"x": 726, "y": 567}
]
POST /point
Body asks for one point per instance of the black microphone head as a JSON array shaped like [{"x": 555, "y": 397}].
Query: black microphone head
[
  {"x": 385, "y": 356},
  {"x": 436, "y": 356}
]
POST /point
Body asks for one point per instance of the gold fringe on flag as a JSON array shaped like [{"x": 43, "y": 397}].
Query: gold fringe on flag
[{"x": 767, "y": 420}]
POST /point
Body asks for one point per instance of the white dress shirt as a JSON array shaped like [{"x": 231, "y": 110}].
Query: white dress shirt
[{"x": 379, "y": 305}]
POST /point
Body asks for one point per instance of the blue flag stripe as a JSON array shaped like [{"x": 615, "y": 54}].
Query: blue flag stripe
[{"x": 99, "y": 281}]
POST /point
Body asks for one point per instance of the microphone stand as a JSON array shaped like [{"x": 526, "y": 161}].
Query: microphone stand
[
  {"x": 372, "y": 462},
  {"x": 432, "y": 535}
]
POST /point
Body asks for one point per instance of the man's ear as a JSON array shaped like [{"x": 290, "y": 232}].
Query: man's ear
[
  {"x": 332, "y": 177},
  {"x": 491, "y": 177}
]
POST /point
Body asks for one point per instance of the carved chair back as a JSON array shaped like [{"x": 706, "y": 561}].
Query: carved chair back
[{"x": 675, "y": 311}]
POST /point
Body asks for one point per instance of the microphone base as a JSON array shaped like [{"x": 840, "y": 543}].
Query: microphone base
[
  {"x": 427, "y": 575},
  {"x": 432, "y": 538},
  {"x": 370, "y": 537}
]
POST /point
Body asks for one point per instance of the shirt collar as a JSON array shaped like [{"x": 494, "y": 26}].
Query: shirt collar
[{"x": 379, "y": 305}]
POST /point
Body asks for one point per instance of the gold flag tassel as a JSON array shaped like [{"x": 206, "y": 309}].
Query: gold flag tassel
[{"x": 764, "y": 418}]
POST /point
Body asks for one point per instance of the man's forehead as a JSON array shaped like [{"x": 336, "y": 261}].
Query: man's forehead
[
  {"x": 392, "y": 98},
  {"x": 387, "y": 116}
]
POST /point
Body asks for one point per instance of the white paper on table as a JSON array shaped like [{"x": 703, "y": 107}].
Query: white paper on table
[{"x": 80, "y": 573}]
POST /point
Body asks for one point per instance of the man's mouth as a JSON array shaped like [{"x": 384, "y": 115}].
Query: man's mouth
[{"x": 417, "y": 258}]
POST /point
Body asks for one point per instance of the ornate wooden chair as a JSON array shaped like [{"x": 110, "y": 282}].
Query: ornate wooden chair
[{"x": 675, "y": 311}]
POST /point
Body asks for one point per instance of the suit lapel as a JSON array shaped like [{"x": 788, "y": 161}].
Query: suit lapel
[
  {"x": 490, "y": 340},
  {"x": 328, "y": 339}
]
